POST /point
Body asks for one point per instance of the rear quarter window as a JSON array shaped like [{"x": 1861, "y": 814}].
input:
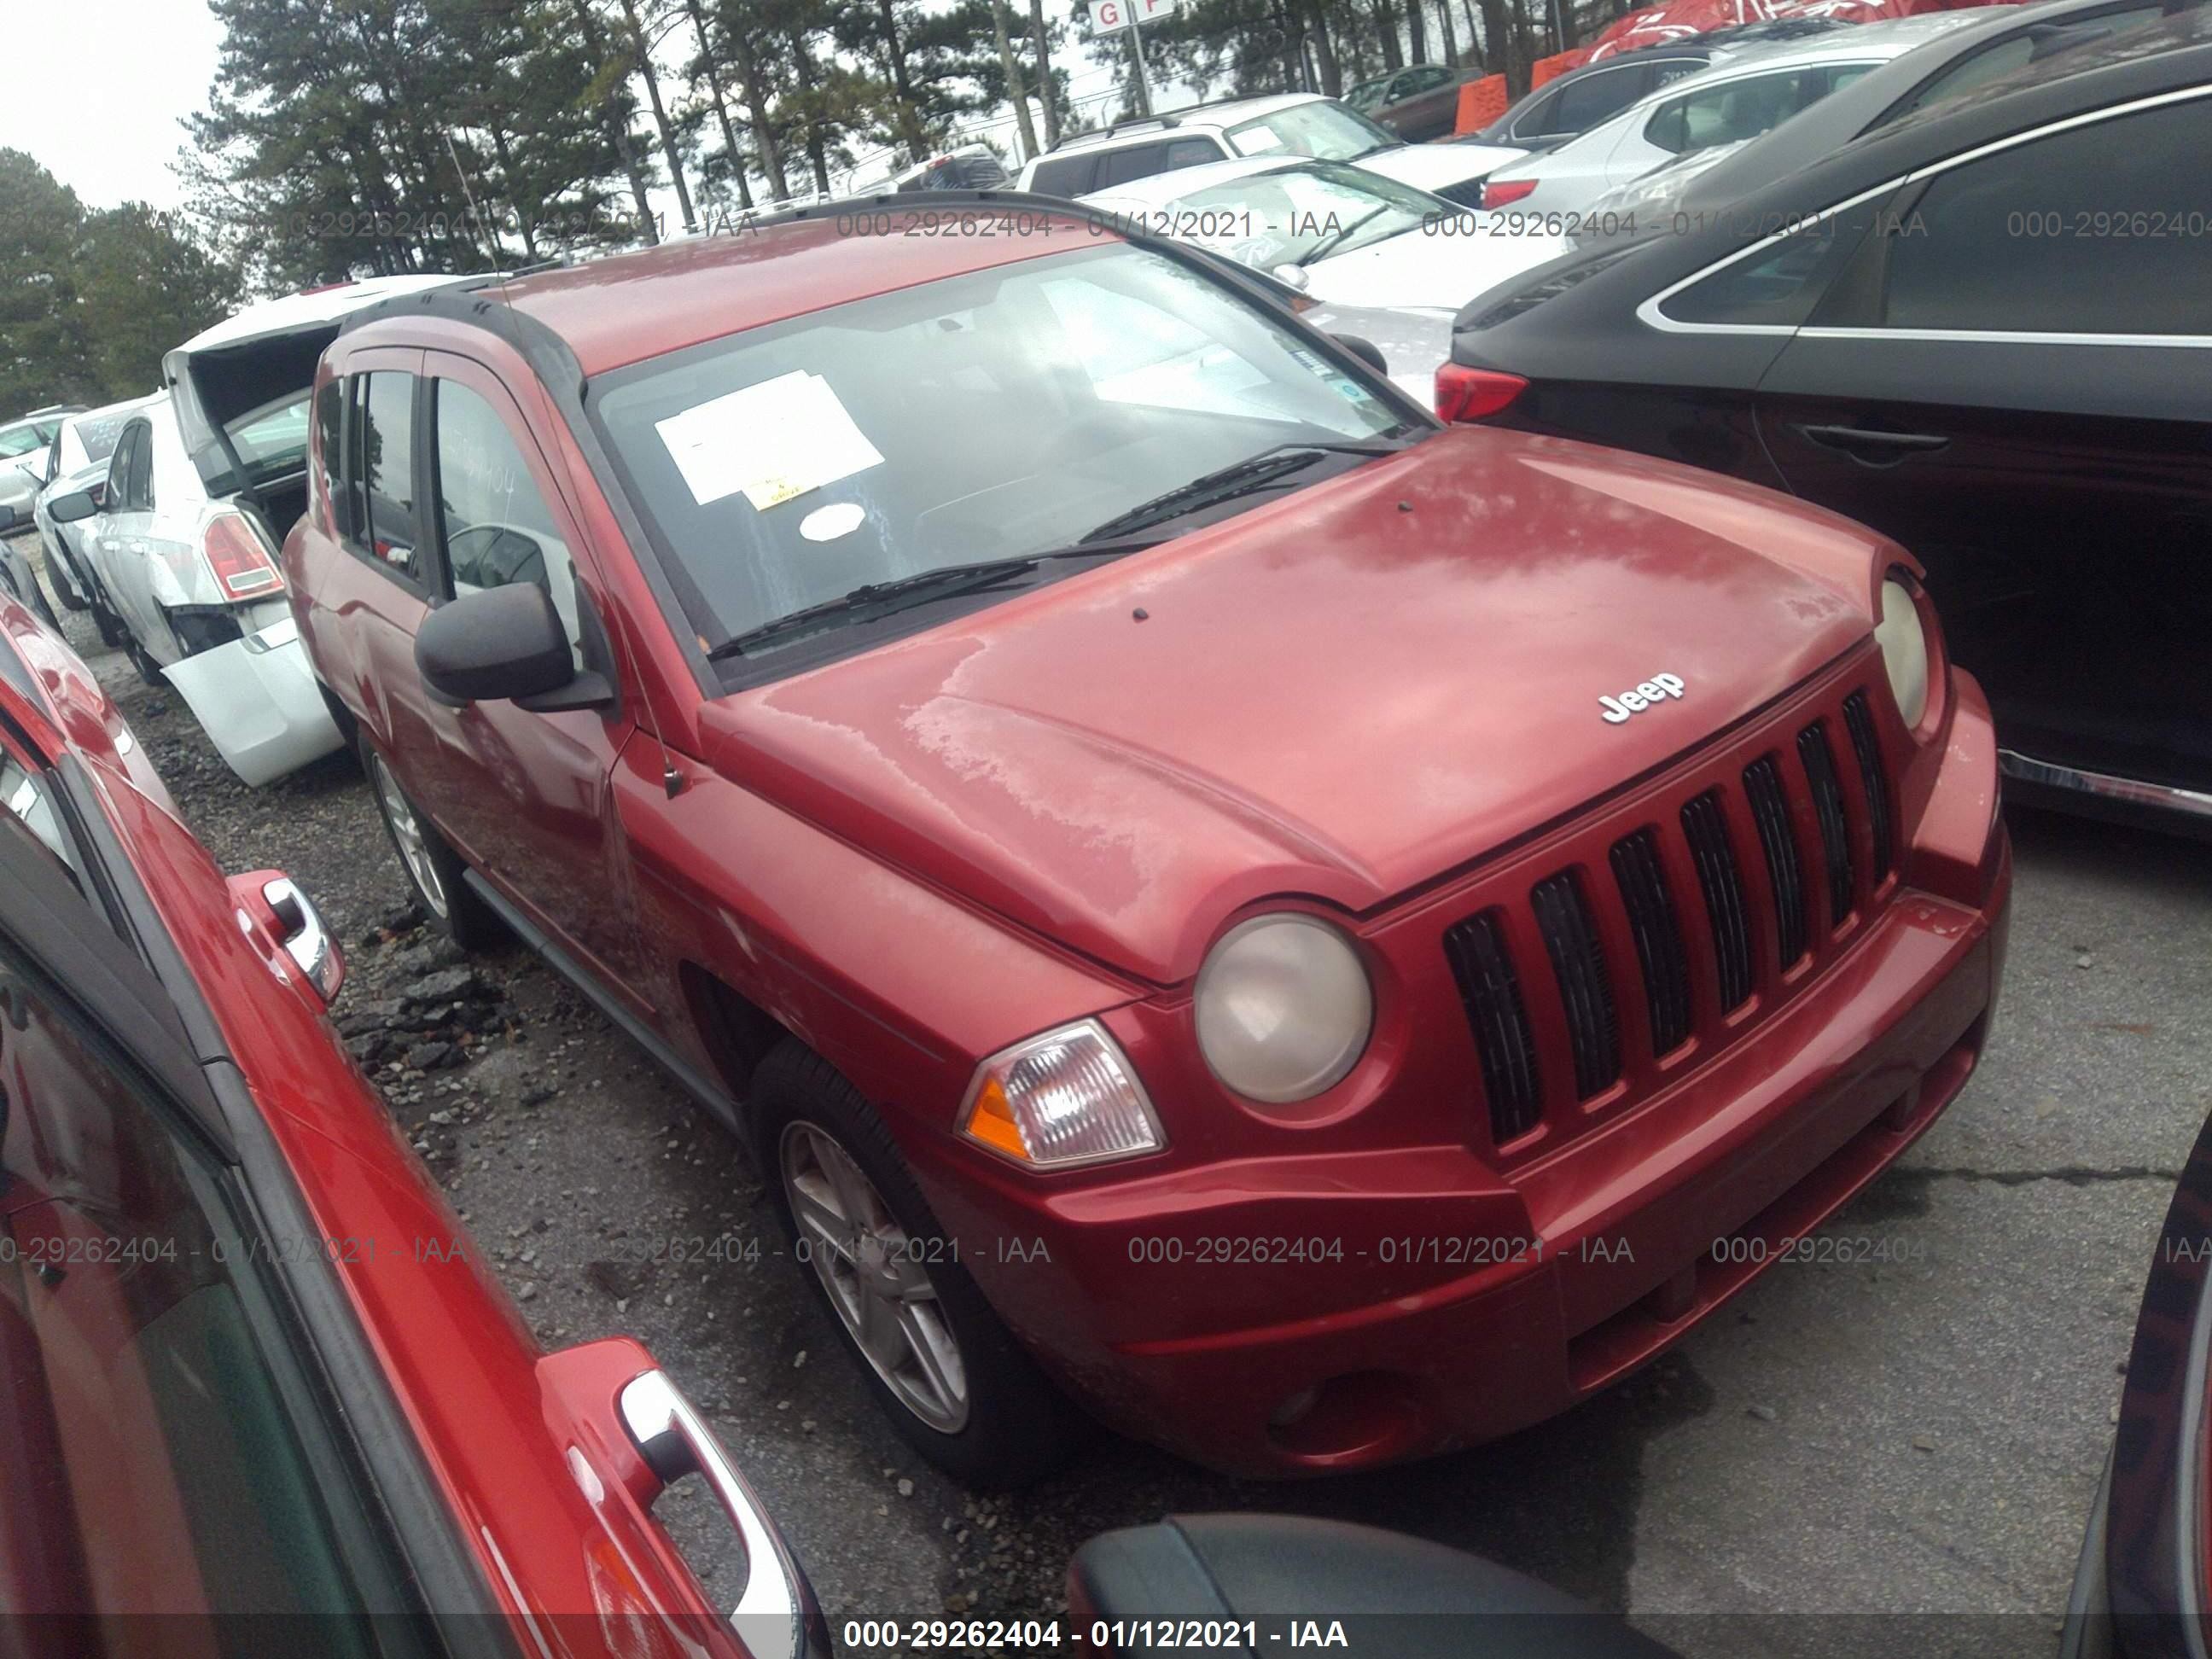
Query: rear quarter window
[
  {"x": 1118, "y": 167},
  {"x": 329, "y": 406},
  {"x": 1069, "y": 175}
]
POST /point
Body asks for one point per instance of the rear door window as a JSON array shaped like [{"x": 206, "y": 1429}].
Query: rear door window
[
  {"x": 26, "y": 798},
  {"x": 1537, "y": 120},
  {"x": 1736, "y": 110},
  {"x": 131, "y": 473},
  {"x": 384, "y": 460},
  {"x": 1596, "y": 98},
  {"x": 2072, "y": 233},
  {"x": 330, "y": 430}
]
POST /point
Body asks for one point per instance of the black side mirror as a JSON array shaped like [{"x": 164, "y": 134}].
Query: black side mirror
[
  {"x": 1366, "y": 350},
  {"x": 502, "y": 642},
  {"x": 68, "y": 509}
]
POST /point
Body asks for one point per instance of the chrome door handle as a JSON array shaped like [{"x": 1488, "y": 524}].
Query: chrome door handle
[
  {"x": 769, "y": 1617},
  {"x": 307, "y": 941}
]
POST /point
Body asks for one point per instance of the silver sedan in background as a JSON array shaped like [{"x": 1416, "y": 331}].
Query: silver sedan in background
[
  {"x": 77, "y": 459},
  {"x": 1745, "y": 96}
]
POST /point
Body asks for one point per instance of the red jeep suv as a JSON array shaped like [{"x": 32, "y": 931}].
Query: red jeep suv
[{"x": 1318, "y": 936}]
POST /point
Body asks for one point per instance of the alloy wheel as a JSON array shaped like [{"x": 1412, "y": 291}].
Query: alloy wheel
[
  {"x": 407, "y": 834},
  {"x": 875, "y": 1275}
]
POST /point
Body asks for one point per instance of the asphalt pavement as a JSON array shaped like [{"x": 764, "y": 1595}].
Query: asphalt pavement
[{"x": 1889, "y": 1449}]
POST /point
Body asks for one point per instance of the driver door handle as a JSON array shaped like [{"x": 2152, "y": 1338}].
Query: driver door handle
[{"x": 1873, "y": 448}]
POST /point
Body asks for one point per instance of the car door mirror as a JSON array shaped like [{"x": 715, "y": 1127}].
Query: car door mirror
[
  {"x": 504, "y": 642},
  {"x": 497, "y": 642},
  {"x": 1366, "y": 350},
  {"x": 75, "y": 505}
]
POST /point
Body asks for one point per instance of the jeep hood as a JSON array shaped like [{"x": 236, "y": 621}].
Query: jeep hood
[{"x": 1345, "y": 693}]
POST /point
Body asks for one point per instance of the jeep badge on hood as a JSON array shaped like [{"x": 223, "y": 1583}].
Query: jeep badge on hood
[{"x": 1619, "y": 708}]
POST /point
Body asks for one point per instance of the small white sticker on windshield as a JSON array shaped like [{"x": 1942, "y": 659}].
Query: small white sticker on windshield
[
  {"x": 771, "y": 441},
  {"x": 1258, "y": 139},
  {"x": 827, "y": 524}
]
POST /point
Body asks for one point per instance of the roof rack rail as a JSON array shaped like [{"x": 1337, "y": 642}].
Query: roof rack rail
[{"x": 1077, "y": 140}]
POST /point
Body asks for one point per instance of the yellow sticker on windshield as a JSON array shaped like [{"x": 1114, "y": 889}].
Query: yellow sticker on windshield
[{"x": 770, "y": 442}]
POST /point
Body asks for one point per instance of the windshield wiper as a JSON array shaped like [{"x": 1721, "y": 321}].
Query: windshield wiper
[
  {"x": 1226, "y": 484},
  {"x": 1328, "y": 245},
  {"x": 872, "y": 601}
]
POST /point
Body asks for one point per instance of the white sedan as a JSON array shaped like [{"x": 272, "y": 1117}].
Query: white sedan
[
  {"x": 194, "y": 582},
  {"x": 1336, "y": 232},
  {"x": 78, "y": 460}
]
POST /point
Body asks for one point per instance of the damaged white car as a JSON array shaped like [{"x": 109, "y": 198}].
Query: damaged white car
[{"x": 204, "y": 483}]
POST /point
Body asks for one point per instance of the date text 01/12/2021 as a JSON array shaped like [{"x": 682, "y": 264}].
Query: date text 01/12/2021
[{"x": 1109, "y": 1635}]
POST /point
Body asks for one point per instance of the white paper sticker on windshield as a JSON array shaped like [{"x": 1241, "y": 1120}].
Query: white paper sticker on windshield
[
  {"x": 1258, "y": 139},
  {"x": 827, "y": 524},
  {"x": 770, "y": 442}
]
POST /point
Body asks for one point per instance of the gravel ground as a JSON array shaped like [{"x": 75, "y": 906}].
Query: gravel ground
[{"x": 1854, "y": 1444}]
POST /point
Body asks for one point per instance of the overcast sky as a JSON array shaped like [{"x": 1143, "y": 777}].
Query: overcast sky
[
  {"x": 97, "y": 87},
  {"x": 100, "y": 86}
]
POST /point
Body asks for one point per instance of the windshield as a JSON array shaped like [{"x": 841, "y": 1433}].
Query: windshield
[
  {"x": 1367, "y": 94},
  {"x": 274, "y": 437},
  {"x": 1297, "y": 214},
  {"x": 1322, "y": 130},
  {"x": 97, "y": 434},
  {"x": 992, "y": 415},
  {"x": 22, "y": 440}
]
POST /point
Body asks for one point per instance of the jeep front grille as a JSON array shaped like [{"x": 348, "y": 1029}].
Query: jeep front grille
[
  {"x": 1654, "y": 938},
  {"x": 1490, "y": 993}
]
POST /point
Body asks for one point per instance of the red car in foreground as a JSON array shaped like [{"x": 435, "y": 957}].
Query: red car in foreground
[
  {"x": 257, "y": 1395},
  {"x": 1321, "y": 937}
]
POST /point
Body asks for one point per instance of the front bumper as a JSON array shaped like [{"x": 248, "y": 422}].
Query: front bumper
[{"x": 1324, "y": 1311}]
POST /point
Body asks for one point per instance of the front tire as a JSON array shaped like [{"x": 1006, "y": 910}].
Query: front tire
[
  {"x": 432, "y": 869},
  {"x": 955, "y": 1383}
]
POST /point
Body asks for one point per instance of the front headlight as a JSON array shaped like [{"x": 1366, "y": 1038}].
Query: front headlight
[
  {"x": 1065, "y": 1098},
  {"x": 1904, "y": 650},
  {"x": 1283, "y": 1007}
]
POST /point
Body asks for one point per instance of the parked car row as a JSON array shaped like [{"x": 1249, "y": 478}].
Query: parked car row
[
  {"x": 162, "y": 517},
  {"x": 23, "y": 442},
  {"x": 1287, "y": 124}
]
